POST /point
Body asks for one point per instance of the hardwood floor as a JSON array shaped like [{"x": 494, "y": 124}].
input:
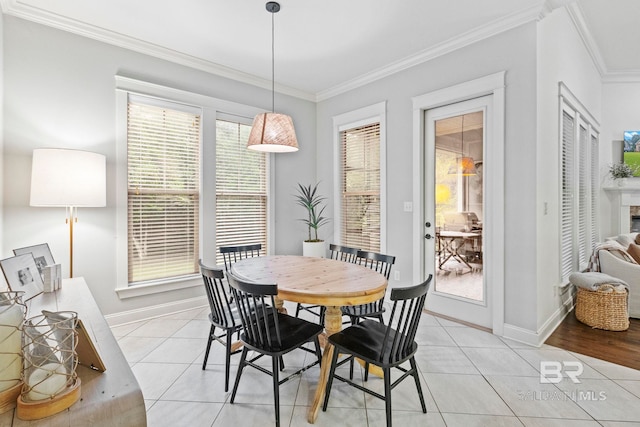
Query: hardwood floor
[{"x": 622, "y": 348}]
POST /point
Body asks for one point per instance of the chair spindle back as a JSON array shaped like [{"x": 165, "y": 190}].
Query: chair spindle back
[
  {"x": 219, "y": 299},
  {"x": 233, "y": 254},
  {"x": 399, "y": 338},
  {"x": 256, "y": 305},
  {"x": 343, "y": 253}
]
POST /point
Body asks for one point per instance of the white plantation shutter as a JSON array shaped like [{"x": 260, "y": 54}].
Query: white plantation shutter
[
  {"x": 595, "y": 191},
  {"x": 241, "y": 189},
  {"x": 163, "y": 155},
  {"x": 584, "y": 251},
  {"x": 360, "y": 185},
  {"x": 580, "y": 186},
  {"x": 567, "y": 209}
]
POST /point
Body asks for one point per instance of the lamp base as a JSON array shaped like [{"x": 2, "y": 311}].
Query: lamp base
[
  {"x": 9, "y": 398},
  {"x": 28, "y": 411}
]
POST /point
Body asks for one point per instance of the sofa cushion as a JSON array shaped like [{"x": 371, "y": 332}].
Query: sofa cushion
[
  {"x": 626, "y": 239},
  {"x": 634, "y": 251}
]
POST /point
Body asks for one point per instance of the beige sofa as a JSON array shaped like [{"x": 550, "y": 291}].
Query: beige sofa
[{"x": 629, "y": 272}]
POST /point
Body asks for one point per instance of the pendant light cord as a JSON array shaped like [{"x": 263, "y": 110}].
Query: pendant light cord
[{"x": 273, "y": 67}]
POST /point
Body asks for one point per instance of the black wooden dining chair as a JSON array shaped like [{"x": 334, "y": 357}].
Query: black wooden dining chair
[
  {"x": 385, "y": 346},
  {"x": 343, "y": 253},
  {"x": 339, "y": 253},
  {"x": 382, "y": 264},
  {"x": 223, "y": 316},
  {"x": 270, "y": 333},
  {"x": 233, "y": 254}
]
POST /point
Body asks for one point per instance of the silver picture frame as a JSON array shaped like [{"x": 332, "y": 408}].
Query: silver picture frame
[
  {"x": 21, "y": 274},
  {"x": 41, "y": 254}
]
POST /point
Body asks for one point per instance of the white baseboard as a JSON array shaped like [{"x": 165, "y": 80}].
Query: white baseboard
[
  {"x": 538, "y": 338},
  {"x": 519, "y": 334},
  {"x": 153, "y": 311}
]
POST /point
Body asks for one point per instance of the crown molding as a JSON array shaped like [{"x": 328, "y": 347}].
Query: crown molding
[
  {"x": 531, "y": 14},
  {"x": 493, "y": 28},
  {"x": 577, "y": 17},
  {"x": 607, "y": 76},
  {"x": 30, "y": 13},
  {"x": 628, "y": 76}
]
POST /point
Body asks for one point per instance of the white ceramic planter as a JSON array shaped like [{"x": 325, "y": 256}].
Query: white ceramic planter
[{"x": 314, "y": 249}]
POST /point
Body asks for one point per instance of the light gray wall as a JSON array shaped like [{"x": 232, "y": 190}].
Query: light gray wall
[
  {"x": 562, "y": 57},
  {"x": 60, "y": 92},
  {"x": 513, "y": 51},
  {"x": 1, "y": 129}
]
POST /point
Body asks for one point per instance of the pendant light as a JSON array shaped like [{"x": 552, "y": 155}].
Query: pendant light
[
  {"x": 465, "y": 165},
  {"x": 272, "y": 132}
]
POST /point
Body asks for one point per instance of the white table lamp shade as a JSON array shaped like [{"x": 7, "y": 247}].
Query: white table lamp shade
[{"x": 61, "y": 177}]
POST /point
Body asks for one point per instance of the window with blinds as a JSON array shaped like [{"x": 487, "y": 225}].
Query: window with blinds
[
  {"x": 566, "y": 213},
  {"x": 579, "y": 192},
  {"x": 241, "y": 189},
  {"x": 595, "y": 190},
  {"x": 360, "y": 187},
  {"x": 163, "y": 187}
]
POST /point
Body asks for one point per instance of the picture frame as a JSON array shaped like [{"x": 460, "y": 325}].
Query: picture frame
[
  {"x": 631, "y": 150},
  {"x": 41, "y": 254},
  {"x": 21, "y": 274}
]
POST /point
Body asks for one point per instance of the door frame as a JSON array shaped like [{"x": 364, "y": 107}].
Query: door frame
[{"x": 493, "y": 85}]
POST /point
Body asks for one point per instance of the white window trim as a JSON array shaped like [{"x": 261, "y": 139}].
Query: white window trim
[
  {"x": 211, "y": 108},
  {"x": 571, "y": 104},
  {"x": 493, "y": 84},
  {"x": 375, "y": 113}
]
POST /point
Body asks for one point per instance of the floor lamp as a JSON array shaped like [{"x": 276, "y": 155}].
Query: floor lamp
[{"x": 69, "y": 179}]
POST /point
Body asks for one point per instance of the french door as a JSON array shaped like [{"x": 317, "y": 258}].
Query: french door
[{"x": 456, "y": 229}]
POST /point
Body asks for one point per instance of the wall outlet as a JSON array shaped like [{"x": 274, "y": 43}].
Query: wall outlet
[
  {"x": 408, "y": 206},
  {"x": 396, "y": 275}
]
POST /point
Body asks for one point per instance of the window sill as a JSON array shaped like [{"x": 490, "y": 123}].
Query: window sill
[{"x": 159, "y": 286}]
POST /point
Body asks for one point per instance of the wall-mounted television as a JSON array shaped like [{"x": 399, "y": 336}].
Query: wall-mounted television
[{"x": 632, "y": 150}]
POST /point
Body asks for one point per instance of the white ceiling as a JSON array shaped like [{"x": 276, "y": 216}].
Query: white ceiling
[{"x": 324, "y": 47}]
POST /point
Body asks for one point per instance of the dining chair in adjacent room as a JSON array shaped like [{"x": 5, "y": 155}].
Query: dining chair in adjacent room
[
  {"x": 267, "y": 332},
  {"x": 339, "y": 253},
  {"x": 382, "y": 264},
  {"x": 233, "y": 254},
  {"x": 223, "y": 316},
  {"x": 387, "y": 346}
]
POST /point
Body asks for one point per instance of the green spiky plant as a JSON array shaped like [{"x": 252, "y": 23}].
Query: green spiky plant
[{"x": 309, "y": 198}]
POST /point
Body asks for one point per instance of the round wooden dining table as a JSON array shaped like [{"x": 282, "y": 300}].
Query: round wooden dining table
[{"x": 322, "y": 281}]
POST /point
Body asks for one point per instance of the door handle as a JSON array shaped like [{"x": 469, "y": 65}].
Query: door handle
[{"x": 428, "y": 236}]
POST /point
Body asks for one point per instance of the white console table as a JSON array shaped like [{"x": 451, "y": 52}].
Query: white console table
[{"x": 110, "y": 398}]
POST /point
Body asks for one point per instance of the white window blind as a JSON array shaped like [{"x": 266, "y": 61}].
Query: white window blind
[
  {"x": 584, "y": 249},
  {"x": 360, "y": 204},
  {"x": 241, "y": 189},
  {"x": 567, "y": 215},
  {"x": 580, "y": 187},
  {"x": 163, "y": 155},
  {"x": 595, "y": 190}
]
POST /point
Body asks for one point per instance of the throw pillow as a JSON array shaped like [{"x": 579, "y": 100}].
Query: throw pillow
[
  {"x": 634, "y": 251},
  {"x": 638, "y": 239}
]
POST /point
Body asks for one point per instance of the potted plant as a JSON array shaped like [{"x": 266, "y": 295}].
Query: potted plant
[
  {"x": 620, "y": 172},
  {"x": 309, "y": 198}
]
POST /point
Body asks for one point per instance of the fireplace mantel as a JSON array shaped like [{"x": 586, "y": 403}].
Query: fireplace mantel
[{"x": 622, "y": 198}]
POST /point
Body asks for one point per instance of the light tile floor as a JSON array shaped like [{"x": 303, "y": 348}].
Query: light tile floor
[{"x": 469, "y": 378}]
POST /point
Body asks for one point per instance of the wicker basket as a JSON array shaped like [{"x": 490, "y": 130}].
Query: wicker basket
[{"x": 603, "y": 309}]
